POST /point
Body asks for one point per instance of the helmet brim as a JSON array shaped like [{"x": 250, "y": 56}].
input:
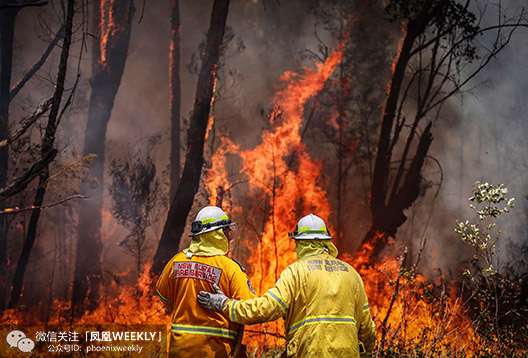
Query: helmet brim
[
  {"x": 211, "y": 229},
  {"x": 312, "y": 237}
]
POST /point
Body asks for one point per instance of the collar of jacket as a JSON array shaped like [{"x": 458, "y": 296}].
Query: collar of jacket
[
  {"x": 305, "y": 248},
  {"x": 212, "y": 243}
]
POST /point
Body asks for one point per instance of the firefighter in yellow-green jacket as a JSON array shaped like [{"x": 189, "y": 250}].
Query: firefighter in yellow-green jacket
[{"x": 321, "y": 298}]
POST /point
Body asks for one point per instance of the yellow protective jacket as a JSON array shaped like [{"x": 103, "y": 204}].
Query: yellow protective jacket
[
  {"x": 195, "y": 331},
  {"x": 323, "y": 302}
]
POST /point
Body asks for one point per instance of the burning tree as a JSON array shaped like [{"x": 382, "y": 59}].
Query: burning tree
[
  {"x": 345, "y": 114},
  {"x": 182, "y": 201},
  {"x": 438, "y": 55},
  {"x": 112, "y": 24}
]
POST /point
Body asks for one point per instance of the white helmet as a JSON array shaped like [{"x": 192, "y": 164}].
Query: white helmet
[
  {"x": 310, "y": 227},
  {"x": 208, "y": 219}
]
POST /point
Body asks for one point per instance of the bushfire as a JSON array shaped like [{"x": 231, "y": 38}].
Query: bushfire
[{"x": 437, "y": 324}]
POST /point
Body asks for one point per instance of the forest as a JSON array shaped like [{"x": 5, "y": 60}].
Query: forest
[{"x": 402, "y": 123}]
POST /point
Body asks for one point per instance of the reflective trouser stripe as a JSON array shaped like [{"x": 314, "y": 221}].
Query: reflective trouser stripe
[
  {"x": 321, "y": 319},
  {"x": 208, "y": 331}
]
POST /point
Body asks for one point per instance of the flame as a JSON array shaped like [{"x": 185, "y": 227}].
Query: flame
[
  {"x": 211, "y": 120},
  {"x": 112, "y": 26},
  {"x": 107, "y": 28},
  {"x": 269, "y": 169},
  {"x": 414, "y": 317},
  {"x": 280, "y": 169},
  {"x": 133, "y": 304},
  {"x": 123, "y": 304},
  {"x": 217, "y": 181},
  {"x": 396, "y": 58}
]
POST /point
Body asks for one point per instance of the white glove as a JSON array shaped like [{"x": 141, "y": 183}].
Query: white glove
[{"x": 212, "y": 301}]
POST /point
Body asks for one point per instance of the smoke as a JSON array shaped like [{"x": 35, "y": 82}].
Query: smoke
[{"x": 482, "y": 136}]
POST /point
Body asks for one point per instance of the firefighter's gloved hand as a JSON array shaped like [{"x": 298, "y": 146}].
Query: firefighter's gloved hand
[{"x": 212, "y": 301}]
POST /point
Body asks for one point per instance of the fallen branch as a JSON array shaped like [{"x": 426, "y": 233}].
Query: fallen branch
[{"x": 17, "y": 210}]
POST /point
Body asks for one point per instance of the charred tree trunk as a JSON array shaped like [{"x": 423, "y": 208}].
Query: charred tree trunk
[
  {"x": 47, "y": 147},
  {"x": 7, "y": 27},
  {"x": 388, "y": 207},
  {"x": 183, "y": 199},
  {"x": 383, "y": 156},
  {"x": 113, "y": 20},
  {"x": 175, "y": 96}
]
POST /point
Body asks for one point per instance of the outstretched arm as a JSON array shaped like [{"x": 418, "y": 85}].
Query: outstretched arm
[{"x": 272, "y": 305}]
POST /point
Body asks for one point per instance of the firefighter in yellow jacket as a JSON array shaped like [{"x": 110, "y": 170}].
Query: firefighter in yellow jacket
[
  {"x": 321, "y": 298},
  {"x": 195, "y": 331}
]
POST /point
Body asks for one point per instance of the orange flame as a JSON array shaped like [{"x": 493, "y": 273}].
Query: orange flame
[
  {"x": 413, "y": 319},
  {"x": 124, "y": 304},
  {"x": 106, "y": 27},
  {"x": 269, "y": 169}
]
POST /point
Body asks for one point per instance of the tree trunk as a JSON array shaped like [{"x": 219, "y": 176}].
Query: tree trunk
[
  {"x": 383, "y": 155},
  {"x": 47, "y": 146},
  {"x": 113, "y": 20},
  {"x": 387, "y": 210},
  {"x": 183, "y": 199},
  {"x": 393, "y": 215},
  {"x": 7, "y": 26},
  {"x": 175, "y": 96}
]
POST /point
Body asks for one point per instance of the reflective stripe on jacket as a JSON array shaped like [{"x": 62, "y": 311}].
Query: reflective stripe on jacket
[
  {"x": 195, "y": 331},
  {"x": 324, "y": 305}
]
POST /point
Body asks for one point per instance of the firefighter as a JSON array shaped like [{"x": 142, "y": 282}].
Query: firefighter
[
  {"x": 195, "y": 331},
  {"x": 321, "y": 298}
]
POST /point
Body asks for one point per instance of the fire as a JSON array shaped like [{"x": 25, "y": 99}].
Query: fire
[
  {"x": 211, "y": 120},
  {"x": 106, "y": 27},
  {"x": 281, "y": 170},
  {"x": 408, "y": 313},
  {"x": 133, "y": 304},
  {"x": 123, "y": 304},
  {"x": 269, "y": 169}
]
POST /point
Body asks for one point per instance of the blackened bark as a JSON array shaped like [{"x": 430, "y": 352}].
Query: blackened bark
[
  {"x": 38, "y": 65},
  {"x": 108, "y": 63},
  {"x": 394, "y": 216},
  {"x": 46, "y": 148},
  {"x": 183, "y": 199},
  {"x": 7, "y": 26},
  {"x": 383, "y": 156},
  {"x": 175, "y": 96},
  {"x": 387, "y": 211}
]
